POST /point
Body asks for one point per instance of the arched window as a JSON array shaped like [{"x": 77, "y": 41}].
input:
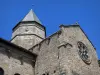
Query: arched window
[
  {"x": 16, "y": 74},
  {"x": 1, "y": 71}
]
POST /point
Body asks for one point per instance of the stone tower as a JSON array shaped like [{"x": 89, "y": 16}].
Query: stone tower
[{"x": 28, "y": 32}]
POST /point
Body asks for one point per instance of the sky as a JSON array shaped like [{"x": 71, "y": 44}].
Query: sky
[{"x": 53, "y": 13}]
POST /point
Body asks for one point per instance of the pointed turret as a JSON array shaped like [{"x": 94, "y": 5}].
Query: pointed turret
[
  {"x": 29, "y": 31},
  {"x": 31, "y": 17}
]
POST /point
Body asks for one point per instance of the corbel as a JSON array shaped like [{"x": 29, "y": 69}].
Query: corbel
[
  {"x": 21, "y": 59},
  {"x": 47, "y": 41},
  {"x": 33, "y": 62},
  {"x": 8, "y": 51},
  {"x": 31, "y": 49},
  {"x": 39, "y": 46},
  {"x": 59, "y": 33}
]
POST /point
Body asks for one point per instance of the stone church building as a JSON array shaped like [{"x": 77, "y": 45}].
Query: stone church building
[{"x": 29, "y": 52}]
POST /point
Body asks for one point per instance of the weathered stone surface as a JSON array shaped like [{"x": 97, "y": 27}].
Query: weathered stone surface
[
  {"x": 26, "y": 41},
  {"x": 28, "y": 35},
  {"x": 14, "y": 64},
  {"x": 29, "y": 29},
  {"x": 65, "y": 59}
]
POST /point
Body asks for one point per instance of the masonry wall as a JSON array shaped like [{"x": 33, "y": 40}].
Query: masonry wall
[
  {"x": 28, "y": 34},
  {"x": 47, "y": 60},
  {"x": 69, "y": 57},
  {"x": 26, "y": 41},
  {"x": 16, "y": 61},
  {"x": 29, "y": 29},
  {"x": 59, "y": 54}
]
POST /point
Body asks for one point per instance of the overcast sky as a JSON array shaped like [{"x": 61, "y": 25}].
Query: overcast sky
[{"x": 53, "y": 13}]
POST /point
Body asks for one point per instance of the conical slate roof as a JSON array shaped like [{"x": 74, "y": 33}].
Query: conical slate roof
[{"x": 31, "y": 17}]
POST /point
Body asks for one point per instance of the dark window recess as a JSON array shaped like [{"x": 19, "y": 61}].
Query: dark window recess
[
  {"x": 16, "y": 74},
  {"x": 1, "y": 71},
  {"x": 47, "y": 73},
  {"x": 99, "y": 62},
  {"x": 54, "y": 71}
]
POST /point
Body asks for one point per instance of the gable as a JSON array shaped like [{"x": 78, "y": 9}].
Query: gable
[{"x": 62, "y": 51}]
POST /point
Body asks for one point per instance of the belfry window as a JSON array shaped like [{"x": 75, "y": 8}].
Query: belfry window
[{"x": 1, "y": 71}]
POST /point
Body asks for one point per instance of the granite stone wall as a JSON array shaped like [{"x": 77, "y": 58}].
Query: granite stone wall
[
  {"x": 70, "y": 57},
  {"x": 27, "y": 35},
  {"x": 26, "y": 41},
  {"x": 13, "y": 61},
  {"x": 59, "y": 54}
]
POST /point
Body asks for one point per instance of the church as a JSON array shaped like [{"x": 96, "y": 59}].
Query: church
[{"x": 29, "y": 52}]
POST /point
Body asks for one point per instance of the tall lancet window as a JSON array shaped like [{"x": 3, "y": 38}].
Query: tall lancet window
[{"x": 1, "y": 71}]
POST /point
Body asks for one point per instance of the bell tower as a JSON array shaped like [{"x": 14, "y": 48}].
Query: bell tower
[{"x": 29, "y": 31}]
